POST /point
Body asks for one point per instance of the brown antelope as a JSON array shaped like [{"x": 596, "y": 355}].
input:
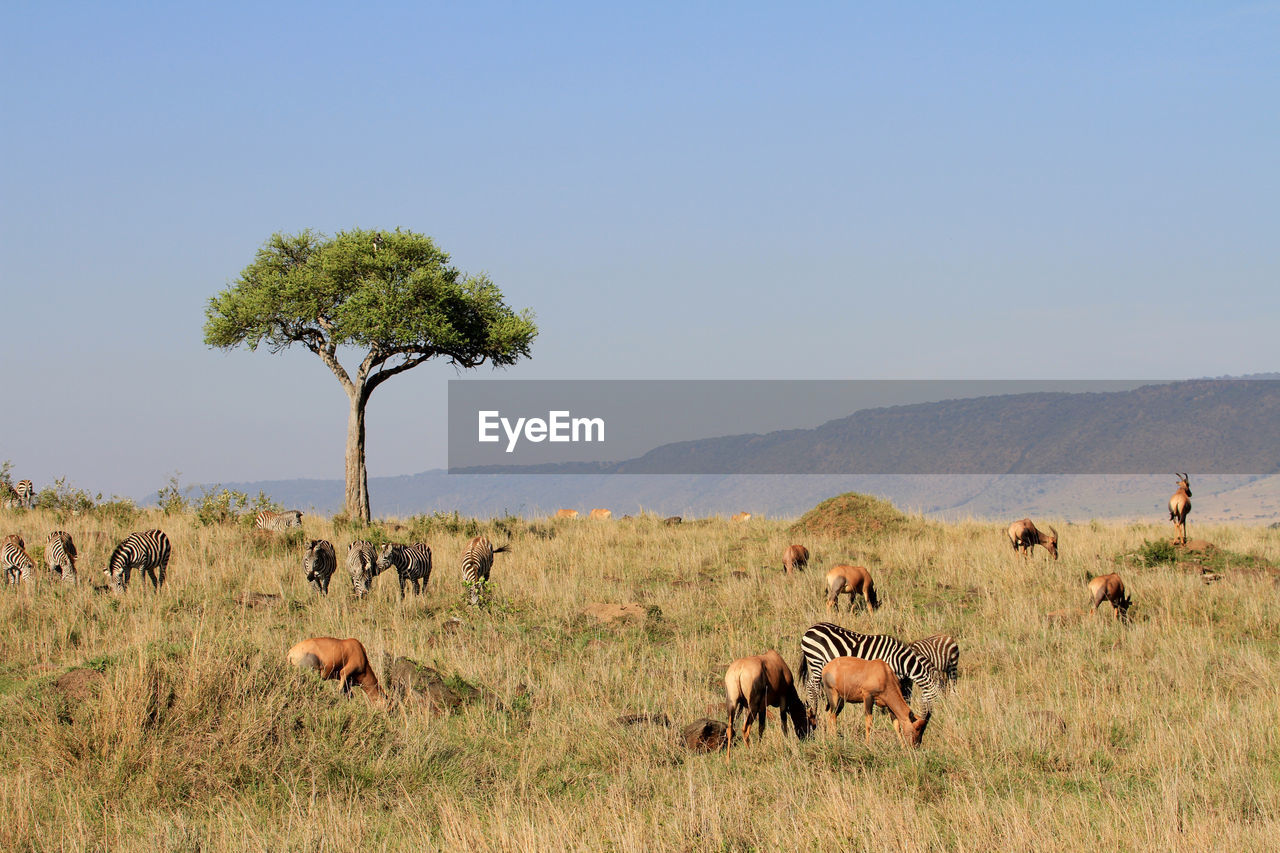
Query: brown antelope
[
  {"x": 850, "y": 580},
  {"x": 795, "y": 557},
  {"x": 344, "y": 661},
  {"x": 1110, "y": 588},
  {"x": 1024, "y": 536},
  {"x": 602, "y": 514},
  {"x": 567, "y": 513},
  {"x": 1179, "y": 506},
  {"x": 759, "y": 682},
  {"x": 870, "y": 682},
  {"x": 740, "y": 516}
]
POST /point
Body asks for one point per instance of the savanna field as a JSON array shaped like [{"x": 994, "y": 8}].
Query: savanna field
[{"x": 172, "y": 722}]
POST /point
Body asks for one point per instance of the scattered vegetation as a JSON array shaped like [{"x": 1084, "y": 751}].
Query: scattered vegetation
[{"x": 852, "y": 515}]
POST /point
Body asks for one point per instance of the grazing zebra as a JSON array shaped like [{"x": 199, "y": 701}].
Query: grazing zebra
[
  {"x": 17, "y": 563},
  {"x": 147, "y": 551},
  {"x": 362, "y": 562},
  {"x": 21, "y": 495},
  {"x": 412, "y": 562},
  {"x": 825, "y": 641},
  {"x": 268, "y": 520},
  {"x": 943, "y": 654},
  {"x": 477, "y": 561},
  {"x": 320, "y": 562},
  {"x": 60, "y": 555}
]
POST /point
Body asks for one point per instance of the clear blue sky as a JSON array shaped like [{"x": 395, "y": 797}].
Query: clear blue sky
[{"x": 677, "y": 190}]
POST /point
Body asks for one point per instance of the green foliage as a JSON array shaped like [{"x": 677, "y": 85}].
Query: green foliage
[
  {"x": 6, "y": 477},
  {"x": 421, "y": 527},
  {"x": 172, "y": 497},
  {"x": 851, "y": 515},
  {"x": 1159, "y": 552},
  {"x": 219, "y": 506},
  {"x": 122, "y": 512}
]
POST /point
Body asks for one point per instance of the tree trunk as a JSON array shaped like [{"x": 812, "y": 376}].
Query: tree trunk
[{"x": 357, "y": 492}]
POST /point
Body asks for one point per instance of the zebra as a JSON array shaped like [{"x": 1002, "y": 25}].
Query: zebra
[
  {"x": 145, "y": 550},
  {"x": 269, "y": 520},
  {"x": 60, "y": 555},
  {"x": 18, "y": 496},
  {"x": 412, "y": 562},
  {"x": 943, "y": 654},
  {"x": 320, "y": 562},
  {"x": 825, "y": 641},
  {"x": 362, "y": 562},
  {"x": 477, "y": 561},
  {"x": 17, "y": 563}
]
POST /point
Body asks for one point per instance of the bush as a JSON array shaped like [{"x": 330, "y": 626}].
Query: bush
[
  {"x": 219, "y": 506},
  {"x": 172, "y": 498},
  {"x": 1158, "y": 553},
  {"x": 120, "y": 511}
]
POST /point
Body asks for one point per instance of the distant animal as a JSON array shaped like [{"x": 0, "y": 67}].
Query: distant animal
[
  {"x": 567, "y": 513},
  {"x": 147, "y": 551},
  {"x": 60, "y": 555},
  {"x": 795, "y": 558},
  {"x": 758, "y": 682},
  {"x": 871, "y": 682},
  {"x": 477, "y": 562},
  {"x": 319, "y": 561},
  {"x": 850, "y": 580},
  {"x": 943, "y": 654},
  {"x": 602, "y": 514},
  {"x": 825, "y": 641},
  {"x": 1024, "y": 536},
  {"x": 268, "y": 520},
  {"x": 1110, "y": 588},
  {"x": 1179, "y": 507},
  {"x": 25, "y": 493},
  {"x": 344, "y": 661},
  {"x": 740, "y": 516},
  {"x": 17, "y": 563},
  {"x": 412, "y": 564},
  {"x": 362, "y": 563},
  {"x": 673, "y": 520}
]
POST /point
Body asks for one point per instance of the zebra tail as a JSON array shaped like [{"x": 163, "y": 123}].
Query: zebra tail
[{"x": 504, "y": 549}]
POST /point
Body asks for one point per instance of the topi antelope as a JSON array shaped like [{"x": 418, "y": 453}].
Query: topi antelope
[
  {"x": 796, "y": 557},
  {"x": 851, "y": 580},
  {"x": 871, "y": 682},
  {"x": 760, "y": 681},
  {"x": 1110, "y": 588},
  {"x": 343, "y": 661},
  {"x": 1024, "y": 536},
  {"x": 1179, "y": 506}
]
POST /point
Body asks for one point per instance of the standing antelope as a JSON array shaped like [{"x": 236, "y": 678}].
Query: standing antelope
[
  {"x": 871, "y": 682},
  {"x": 1110, "y": 588},
  {"x": 1179, "y": 507},
  {"x": 1024, "y": 536},
  {"x": 740, "y": 517},
  {"x": 796, "y": 557},
  {"x": 851, "y": 580},
  {"x": 760, "y": 681}
]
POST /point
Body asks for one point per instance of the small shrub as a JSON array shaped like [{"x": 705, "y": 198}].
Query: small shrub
[
  {"x": 172, "y": 497},
  {"x": 120, "y": 511},
  {"x": 219, "y": 506},
  {"x": 1157, "y": 553}
]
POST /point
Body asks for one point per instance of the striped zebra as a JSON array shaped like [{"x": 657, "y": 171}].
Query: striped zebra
[
  {"x": 362, "y": 562},
  {"x": 412, "y": 563},
  {"x": 320, "y": 561},
  {"x": 477, "y": 561},
  {"x": 60, "y": 555},
  {"x": 268, "y": 520},
  {"x": 943, "y": 654},
  {"x": 147, "y": 551},
  {"x": 17, "y": 563},
  {"x": 825, "y": 641},
  {"x": 21, "y": 495}
]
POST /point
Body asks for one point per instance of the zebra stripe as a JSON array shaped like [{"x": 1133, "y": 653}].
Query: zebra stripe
[
  {"x": 17, "y": 563},
  {"x": 825, "y": 641},
  {"x": 60, "y": 555},
  {"x": 477, "y": 562},
  {"x": 412, "y": 563},
  {"x": 362, "y": 562},
  {"x": 268, "y": 520},
  {"x": 26, "y": 493},
  {"x": 320, "y": 561},
  {"x": 943, "y": 654},
  {"x": 147, "y": 551}
]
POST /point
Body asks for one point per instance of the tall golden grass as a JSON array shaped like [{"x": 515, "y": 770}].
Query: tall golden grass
[{"x": 197, "y": 736}]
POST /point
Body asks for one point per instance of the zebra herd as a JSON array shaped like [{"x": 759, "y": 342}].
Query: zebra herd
[
  {"x": 411, "y": 562},
  {"x": 146, "y": 551}
]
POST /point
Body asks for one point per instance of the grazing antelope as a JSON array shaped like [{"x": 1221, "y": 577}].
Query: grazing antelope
[
  {"x": 871, "y": 682},
  {"x": 601, "y": 514},
  {"x": 796, "y": 557},
  {"x": 740, "y": 516},
  {"x": 672, "y": 520},
  {"x": 1024, "y": 536},
  {"x": 1110, "y": 588},
  {"x": 1179, "y": 506},
  {"x": 338, "y": 660},
  {"x": 566, "y": 513},
  {"x": 850, "y": 580},
  {"x": 758, "y": 682}
]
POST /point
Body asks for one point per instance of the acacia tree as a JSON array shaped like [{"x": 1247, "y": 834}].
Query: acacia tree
[{"x": 392, "y": 295}]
